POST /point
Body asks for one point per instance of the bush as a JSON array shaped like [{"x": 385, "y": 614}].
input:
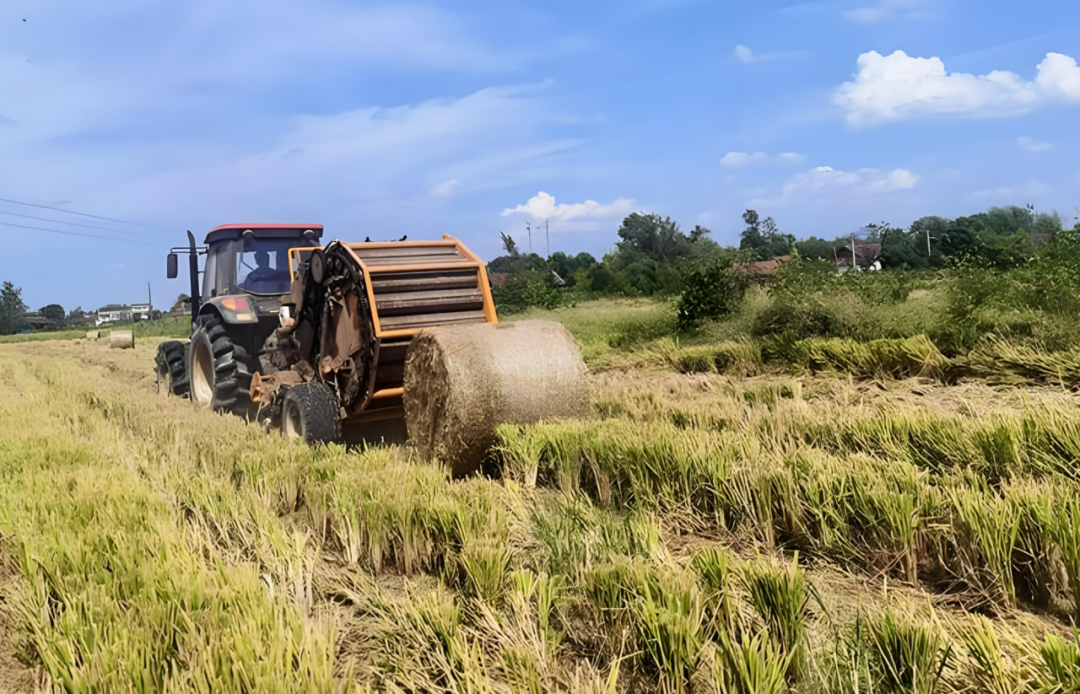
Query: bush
[
  {"x": 710, "y": 291},
  {"x": 526, "y": 290}
]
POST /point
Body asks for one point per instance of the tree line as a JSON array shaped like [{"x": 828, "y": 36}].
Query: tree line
[{"x": 654, "y": 256}]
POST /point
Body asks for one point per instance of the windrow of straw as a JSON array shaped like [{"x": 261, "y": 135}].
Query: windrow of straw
[
  {"x": 890, "y": 511},
  {"x": 1002, "y": 363},
  {"x": 995, "y": 361}
]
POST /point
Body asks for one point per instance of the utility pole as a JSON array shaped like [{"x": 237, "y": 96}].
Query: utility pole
[
  {"x": 836, "y": 258},
  {"x": 547, "y": 235},
  {"x": 150, "y": 298},
  {"x": 854, "y": 262},
  {"x": 528, "y": 228},
  {"x": 927, "y": 242}
]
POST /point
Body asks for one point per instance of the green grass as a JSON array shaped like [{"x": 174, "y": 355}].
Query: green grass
[
  {"x": 607, "y": 329},
  {"x": 641, "y": 333},
  {"x": 165, "y": 327}
]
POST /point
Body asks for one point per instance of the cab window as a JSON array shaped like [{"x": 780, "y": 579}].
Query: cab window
[{"x": 262, "y": 265}]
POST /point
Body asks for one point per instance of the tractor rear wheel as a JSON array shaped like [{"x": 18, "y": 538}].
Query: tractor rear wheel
[
  {"x": 309, "y": 411},
  {"x": 172, "y": 376},
  {"x": 215, "y": 373}
]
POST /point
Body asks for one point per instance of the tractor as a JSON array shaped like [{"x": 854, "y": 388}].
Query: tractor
[{"x": 313, "y": 340}]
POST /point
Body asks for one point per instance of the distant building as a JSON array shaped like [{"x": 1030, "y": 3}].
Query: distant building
[
  {"x": 180, "y": 309},
  {"x": 867, "y": 257},
  {"x": 763, "y": 270},
  {"x": 115, "y": 313},
  {"x": 37, "y": 320}
]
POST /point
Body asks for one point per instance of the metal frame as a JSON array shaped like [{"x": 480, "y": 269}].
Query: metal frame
[
  {"x": 193, "y": 252},
  {"x": 363, "y": 413},
  {"x": 447, "y": 241}
]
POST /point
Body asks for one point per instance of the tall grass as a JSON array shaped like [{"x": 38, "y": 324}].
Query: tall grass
[{"x": 911, "y": 655}]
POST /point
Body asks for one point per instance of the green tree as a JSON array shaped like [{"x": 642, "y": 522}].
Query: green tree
[
  {"x": 509, "y": 245},
  {"x": 814, "y": 248},
  {"x": 963, "y": 238},
  {"x": 934, "y": 227},
  {"x": 657, "y": 237},
  {"x": 566, "y": 266},
  {"x": 762, "y": 238},
  {"x": 699, "y": 234},
  {"x": 12, "y": 308},
  {"x": 512, "y": 261},
  {"x": 903, "y": 249},
  {"x": 53, "y": 312}
]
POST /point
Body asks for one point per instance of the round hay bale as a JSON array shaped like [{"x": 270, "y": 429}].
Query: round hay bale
[
  {"x": 93, "y": 334},
  {"x": 122, "y": 339},
  {"x": 462, "y": 381}
]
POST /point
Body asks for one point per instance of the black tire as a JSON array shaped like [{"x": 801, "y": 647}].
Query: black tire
[
  {"x": 215, "y": 372},
  {"x": 171, "y": 362},
  {"x": 309, "y": 411}
]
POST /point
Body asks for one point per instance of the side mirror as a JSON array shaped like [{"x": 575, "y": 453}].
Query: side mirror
[{"x": 172, "y": 272}]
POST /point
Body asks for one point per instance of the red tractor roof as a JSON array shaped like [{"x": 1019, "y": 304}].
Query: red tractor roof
[{"x": 233, "y": 231}]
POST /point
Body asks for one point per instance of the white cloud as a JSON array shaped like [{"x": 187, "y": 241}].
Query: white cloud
[
  {"x": 743, "y": 54},
  {"x": 1012, "y": 194},
  {"x": 364, "y": 162},
  {"x": 867, "y": 14},
  {"x": 741, "y": 159},
  {"x": 897, "y": 87},
  {"x": 826, "y": 184},
  {"x": 542, "y": 206},
  {"x": 861, "y": 181},
  {"x": 1031, "y": 145},
  {"x": 445, "y": 189},
  {"x": 883, "y": 10}
]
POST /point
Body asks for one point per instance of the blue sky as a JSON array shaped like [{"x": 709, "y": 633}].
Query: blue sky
[{"x": 383, "y": 119}]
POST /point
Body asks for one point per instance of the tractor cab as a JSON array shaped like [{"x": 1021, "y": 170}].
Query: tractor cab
[
  {"x": 245, "y": 280},
  {"x": 244, "y": 259},
  {"x": 252, "y": 259}
]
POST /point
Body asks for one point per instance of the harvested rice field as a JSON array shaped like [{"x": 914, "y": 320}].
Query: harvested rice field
[{"x": 728, "y": 524}]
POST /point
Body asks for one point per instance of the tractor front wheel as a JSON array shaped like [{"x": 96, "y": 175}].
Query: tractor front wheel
[{"x": 309, "y": 411}]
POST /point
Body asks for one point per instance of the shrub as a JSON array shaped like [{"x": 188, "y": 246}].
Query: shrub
[
  {"x": 525, "y": 290},
  {"x": 805, "y": 315},
  {"x": 711, "y": 291}
]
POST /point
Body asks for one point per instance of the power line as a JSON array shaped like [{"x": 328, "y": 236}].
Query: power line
[
  {"x": 81, "y": 214},
  {"x": 74, "y": 224},
  {"x": 75, "y": 233}
]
